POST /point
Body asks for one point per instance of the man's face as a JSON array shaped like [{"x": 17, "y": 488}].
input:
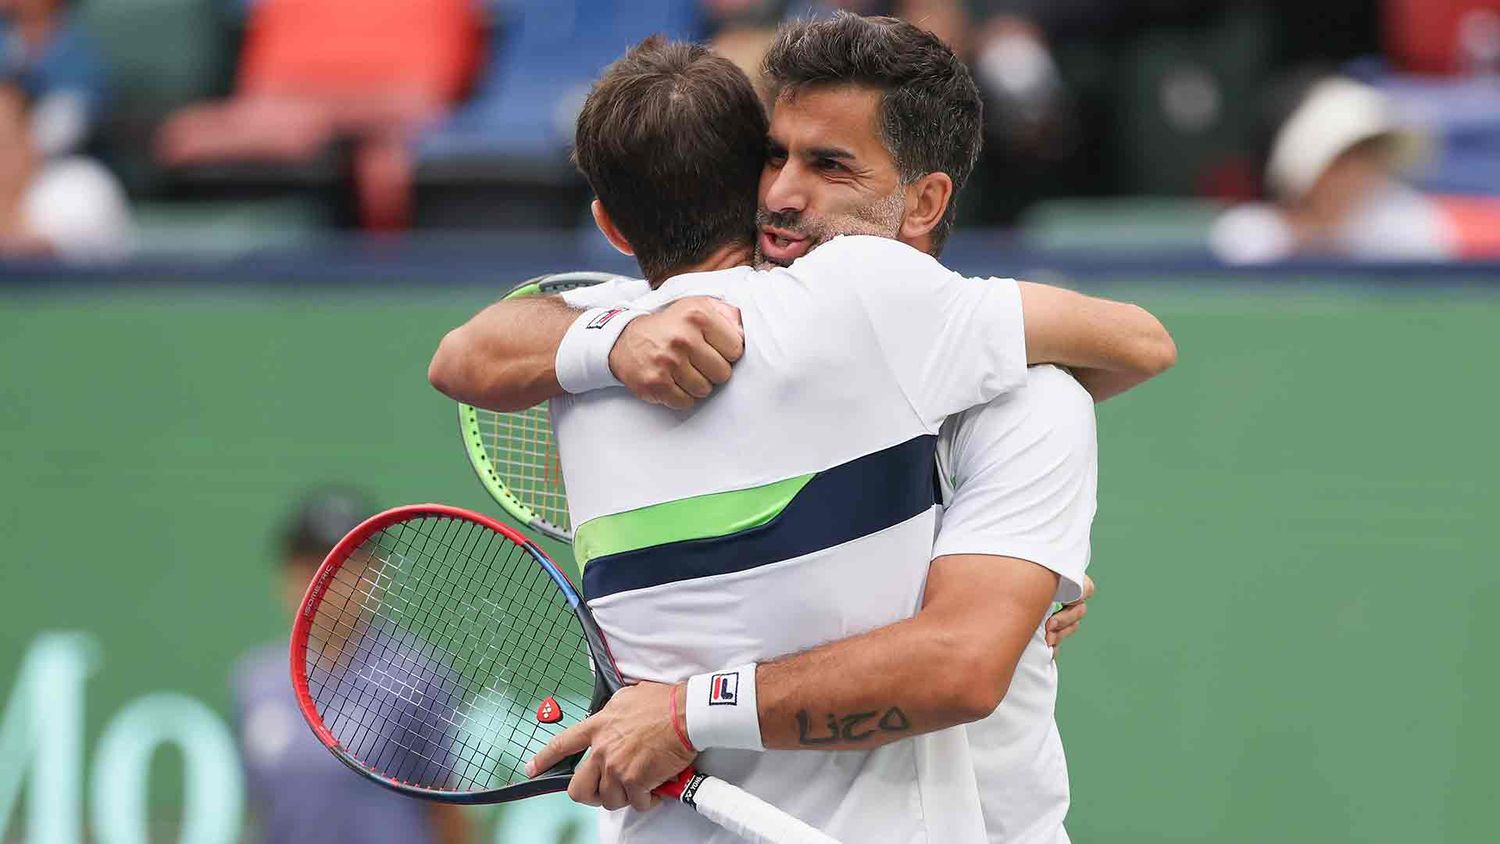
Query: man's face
[{"x": 828, "y": 173}]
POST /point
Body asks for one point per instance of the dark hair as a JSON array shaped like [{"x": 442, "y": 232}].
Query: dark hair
[
  {"x": 930, "y": 111},
  {"x": 320, "y": 520},
  {"x": 672, "y": 140}
]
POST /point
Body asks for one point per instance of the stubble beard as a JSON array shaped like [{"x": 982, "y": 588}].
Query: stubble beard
[{"x": 881, "y": 218}]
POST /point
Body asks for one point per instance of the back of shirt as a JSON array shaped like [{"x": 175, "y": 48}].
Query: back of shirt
[
  {"x": 792, "y": 508},
  {"x": 1021, "y": 476}
]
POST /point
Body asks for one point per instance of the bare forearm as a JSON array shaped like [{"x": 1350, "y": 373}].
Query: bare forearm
[
  {"x": 950, "y": 664},
  {"x": 504, "y": 358},
  {"x": 1110, "y": 346},
  {"x": 863, "y": 692}
]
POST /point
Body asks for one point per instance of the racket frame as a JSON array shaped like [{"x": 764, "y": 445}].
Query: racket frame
[
  {"x": 469, "y": 425},
  {"x": 607, "y": 679}
]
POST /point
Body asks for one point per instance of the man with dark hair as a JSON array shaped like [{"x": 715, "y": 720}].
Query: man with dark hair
[
  {"x": 672, "y": 217},
  {"x": 792, "y": 519},
  {"x": 927, "y": 114}
]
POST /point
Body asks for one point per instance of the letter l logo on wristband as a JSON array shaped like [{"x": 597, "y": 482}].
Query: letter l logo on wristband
[{"x": 722, "y": 710}]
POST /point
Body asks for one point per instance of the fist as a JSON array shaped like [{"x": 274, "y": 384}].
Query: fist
[{"x": 677, "y": 356}]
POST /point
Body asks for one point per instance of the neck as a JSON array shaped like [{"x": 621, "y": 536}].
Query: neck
[
  {"x": 726, "y": 257},
  {"x": 922, "y": 244}
]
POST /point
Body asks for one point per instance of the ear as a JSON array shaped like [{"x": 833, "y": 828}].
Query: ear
[
  {"x": 607, "y": 227},
  {"x": 926, "y": 202}
]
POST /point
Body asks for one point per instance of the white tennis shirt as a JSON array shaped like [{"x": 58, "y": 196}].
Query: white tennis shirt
[
  {"x": 1020, "y": 478},
  {"x": 794, "y": 507}
]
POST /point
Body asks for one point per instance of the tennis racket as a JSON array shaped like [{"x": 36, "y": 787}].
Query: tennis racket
[
  {"x": 513, "y": 454},
  {"x": 437, "y": 650}
]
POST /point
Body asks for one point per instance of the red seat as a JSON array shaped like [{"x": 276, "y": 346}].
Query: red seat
[
  {"x": 1422, "y": 36},
  {"x": 315, "y": 70},
  {"x": 425, "y": 48}
]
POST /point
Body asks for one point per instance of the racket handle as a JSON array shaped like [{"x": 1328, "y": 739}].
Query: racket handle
[{"x": 739, "y": 811}]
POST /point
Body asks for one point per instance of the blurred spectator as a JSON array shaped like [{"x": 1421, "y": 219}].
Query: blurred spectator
[
  {"x": 52, "y": 93},
  {"x": 1335, "y": 171},
  {"x": 300, "y": 793},
  {"x": 315, "y": 71},
  {"x": 60, "y": 67},
  {"x": 69, "y": 207}
]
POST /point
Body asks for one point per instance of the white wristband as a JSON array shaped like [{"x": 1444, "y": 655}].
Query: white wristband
[
  {"x": 722, "y": 710},
  {"x": 583, "y": 356}
]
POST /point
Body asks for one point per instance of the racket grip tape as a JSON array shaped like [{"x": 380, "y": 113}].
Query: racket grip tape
[{"x": 740, "y": 812}]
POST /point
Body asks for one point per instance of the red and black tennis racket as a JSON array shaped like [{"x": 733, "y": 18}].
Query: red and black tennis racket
[{"x": 438, "y": 650}]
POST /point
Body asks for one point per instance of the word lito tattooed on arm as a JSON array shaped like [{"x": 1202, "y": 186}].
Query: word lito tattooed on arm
[{"x": 854, "y": 727}]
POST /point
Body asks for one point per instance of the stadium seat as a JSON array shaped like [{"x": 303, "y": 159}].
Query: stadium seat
[
  {"x": 508, "y": 146},
  {"x": 161, "y": 54},
  {"x": 314, "y": 73},
  {"x": 365, "y": 48},
  {"x": 1462, "y": 118}
]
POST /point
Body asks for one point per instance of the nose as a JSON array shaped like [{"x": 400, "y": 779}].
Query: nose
[{"x": 785, "y": 189}]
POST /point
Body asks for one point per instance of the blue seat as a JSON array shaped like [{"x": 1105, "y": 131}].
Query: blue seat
[
  {"x": 1460, "y": 116},
  {"x": 539, "y": 72}
]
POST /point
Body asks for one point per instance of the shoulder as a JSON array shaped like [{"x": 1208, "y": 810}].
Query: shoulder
[
  {"x": 1049, "y": 396},
  {"x": 614, "y": 291},
  {"x": 1052, "y": 395},
  {"x": 1049, "y": 408},
  {"x": 866, "y": 252}
]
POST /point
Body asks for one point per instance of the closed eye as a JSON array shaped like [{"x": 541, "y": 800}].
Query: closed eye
[{"x": 775, "y": 155}]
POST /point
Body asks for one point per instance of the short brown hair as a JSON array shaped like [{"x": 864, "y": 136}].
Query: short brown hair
[
  {"x": 672, "y": 140},
  {"x": 930, "y": 109}
]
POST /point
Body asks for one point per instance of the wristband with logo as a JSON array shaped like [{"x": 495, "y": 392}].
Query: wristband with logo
[
  {"x": 722, "y": 710},
  {"x": 583, "y": 356}
]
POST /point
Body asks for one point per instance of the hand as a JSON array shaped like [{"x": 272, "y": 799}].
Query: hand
[
  {"x": 677, "y": 356},
  {"x": 635, "y": 749},
  {"x": 1064, "y": 622}
]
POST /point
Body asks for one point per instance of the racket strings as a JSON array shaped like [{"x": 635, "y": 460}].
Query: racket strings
[
  {"x": 431, "y": 649},
  {"x": 521, "y": 450},
  {"x": 466, "y": 751}
]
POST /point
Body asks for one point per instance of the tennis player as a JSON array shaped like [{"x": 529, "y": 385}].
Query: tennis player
[{"x": 853, "y": 728}]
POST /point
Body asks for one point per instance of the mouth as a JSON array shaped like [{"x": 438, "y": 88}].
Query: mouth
[{"x": 780, "y": 246}]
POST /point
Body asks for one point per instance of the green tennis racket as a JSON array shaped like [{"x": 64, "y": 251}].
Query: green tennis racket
[{"x": 513, "y": 454}]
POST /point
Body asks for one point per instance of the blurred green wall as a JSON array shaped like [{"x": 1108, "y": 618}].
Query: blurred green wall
[{"x": 1294, "y": 548}]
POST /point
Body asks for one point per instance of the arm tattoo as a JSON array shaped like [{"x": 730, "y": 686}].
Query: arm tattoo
[{"x": 854, "y": 727}]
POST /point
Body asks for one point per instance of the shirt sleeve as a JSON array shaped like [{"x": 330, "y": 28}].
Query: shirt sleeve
[
  {"x": 952, "y": 342},
  {"x": 1024, "y": 471},
  {"x": 617, "y": 291}
]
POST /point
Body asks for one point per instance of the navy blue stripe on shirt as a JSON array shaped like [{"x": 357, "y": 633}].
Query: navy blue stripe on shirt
[{"x": 851, "y": 500}]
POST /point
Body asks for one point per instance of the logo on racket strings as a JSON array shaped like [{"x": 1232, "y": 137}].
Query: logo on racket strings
[
  {"x": 724, "y": 689},
  {"x": 548, "y": 712}
]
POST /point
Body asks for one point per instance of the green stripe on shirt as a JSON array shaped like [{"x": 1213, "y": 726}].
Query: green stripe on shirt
[{"x": 699, "y": 517}]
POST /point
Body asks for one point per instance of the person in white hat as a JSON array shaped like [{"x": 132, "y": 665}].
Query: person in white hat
[{"x": 1334, "y": 174}]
